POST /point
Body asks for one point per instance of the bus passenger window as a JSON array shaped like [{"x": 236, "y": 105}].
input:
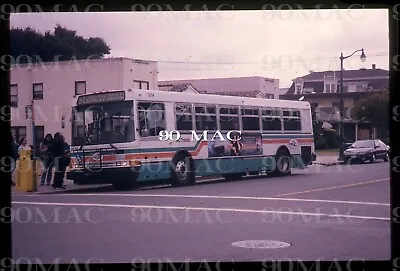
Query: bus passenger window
[
  {"x": 229, "y": 118},
  {"x": 183, "y": 116},
  {"x": 250, "y": 119},
  {"x": 271, "y": 120},
  {"x": 151, "y": 118},
  {"x": 206, "y": 118},
  {"x": 292, "y": 122}
]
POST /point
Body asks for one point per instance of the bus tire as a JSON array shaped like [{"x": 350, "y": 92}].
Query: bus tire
[
  {"x": 283, "y": 163},
  {"x": 182, "y": 170}
]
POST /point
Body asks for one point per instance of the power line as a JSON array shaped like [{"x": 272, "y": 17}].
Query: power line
[
  {"x": 278, "y": 59},
  {"x": 276, "y": 66}
]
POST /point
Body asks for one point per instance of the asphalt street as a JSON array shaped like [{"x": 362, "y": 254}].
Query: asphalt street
[{"x": 326, "y": 213}]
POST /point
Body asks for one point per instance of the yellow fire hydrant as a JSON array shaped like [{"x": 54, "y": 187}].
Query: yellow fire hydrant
[{"x": 27, "y": 174}]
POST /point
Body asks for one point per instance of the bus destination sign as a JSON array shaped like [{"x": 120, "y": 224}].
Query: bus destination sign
[{"x": 104, "y": 97}]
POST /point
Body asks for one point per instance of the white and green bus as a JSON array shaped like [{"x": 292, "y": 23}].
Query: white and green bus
[{"x": 119, "y": 137}]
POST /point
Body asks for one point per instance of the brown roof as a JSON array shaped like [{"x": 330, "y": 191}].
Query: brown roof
[
  {"x": 177, "y": 87},
  {"x": 252, "y": 94}
]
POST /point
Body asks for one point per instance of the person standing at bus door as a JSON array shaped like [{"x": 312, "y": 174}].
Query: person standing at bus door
[
  {"x": 60, "y": 152},
  {"x": 23, "y": 145},
  {"x": 47, "y": 159}
]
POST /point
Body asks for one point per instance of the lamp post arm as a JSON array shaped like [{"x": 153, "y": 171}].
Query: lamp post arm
[{"x": 344, "y": 57}]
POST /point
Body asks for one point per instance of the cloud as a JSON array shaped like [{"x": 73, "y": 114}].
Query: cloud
[{"x": 280, "y": 44}]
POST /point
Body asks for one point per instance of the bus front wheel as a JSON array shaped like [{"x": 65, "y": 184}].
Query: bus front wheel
[{"x": 182, "y": 171}]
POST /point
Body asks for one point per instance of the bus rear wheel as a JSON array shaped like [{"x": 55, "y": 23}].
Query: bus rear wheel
[
  {"x": 283, "y": 163},
  {"x": 182, "y": 171}
]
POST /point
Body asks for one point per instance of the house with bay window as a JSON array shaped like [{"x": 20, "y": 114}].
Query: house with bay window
[{"x": 322, "y": 90}]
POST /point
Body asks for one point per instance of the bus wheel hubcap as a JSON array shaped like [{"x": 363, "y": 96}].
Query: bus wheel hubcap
[
  {"x": 284, "y": 164},
  {"x": 181, "y": 170}
]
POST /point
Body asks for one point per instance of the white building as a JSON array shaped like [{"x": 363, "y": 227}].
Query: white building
[
  {"x": 54, "y": 85},
  {"x": 256, "y": 86}
]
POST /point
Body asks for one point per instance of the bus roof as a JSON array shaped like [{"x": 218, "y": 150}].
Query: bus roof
[{"x": 169, "y": 96}]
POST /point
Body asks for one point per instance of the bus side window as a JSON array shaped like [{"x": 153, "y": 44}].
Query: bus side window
[
  {"x": 206, "y": 118},
  {"x": 250, "y": 119},
  {"x": 271, "y": 120},
  {"x": 291, "y": 120},
  {"x": 183, "y": 117},
  {"x": 229, "y": 118},
  {"x": 151, "y": 118}
]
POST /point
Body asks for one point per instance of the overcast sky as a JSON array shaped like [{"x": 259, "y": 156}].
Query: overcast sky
[{"x": 274, "y": 44}]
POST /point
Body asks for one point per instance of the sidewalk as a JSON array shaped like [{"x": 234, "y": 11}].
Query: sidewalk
[
  {"x": 327, "y": 160},
  {"x": 70, "y": 187}
]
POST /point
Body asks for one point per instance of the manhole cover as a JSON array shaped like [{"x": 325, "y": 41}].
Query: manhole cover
[{"x": 260, "y": 244}]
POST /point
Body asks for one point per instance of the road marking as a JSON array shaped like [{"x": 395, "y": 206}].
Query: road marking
[
  {"x": 332, "y": 187},
  {"x": 199, "y": 209},
  {"x": 217, "y": 197}
]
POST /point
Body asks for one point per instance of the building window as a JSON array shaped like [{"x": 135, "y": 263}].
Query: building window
[
  {"x": 151, "y": 118},
  {"x": 38, "y": 91},
  {"x": 328, "y": 88},
  {"x": 14, "y": 95},
  {"x": 80, "y": 87},
  {"x": 298, "y": 88},
  {"x": 141, "y": 84},
  {"x": 333, "y": 88},
  {"x": 183, "y": 115},
  {"x": 19, "y": 132},
  {"x": 39, "y": 136}
]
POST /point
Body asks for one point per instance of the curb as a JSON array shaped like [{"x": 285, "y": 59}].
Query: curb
[
  {"x": 329, "y": 164},
  {"x": 96, "y": 187}
]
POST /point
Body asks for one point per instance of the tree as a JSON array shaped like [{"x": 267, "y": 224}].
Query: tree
[
  {"x": 62, "y": 45},
  {"x": 375, "y": 110}
]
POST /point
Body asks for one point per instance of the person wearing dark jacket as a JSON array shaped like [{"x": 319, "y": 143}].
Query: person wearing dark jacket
[
  {"x": 14, "y": 157},
  {"x": 47, "y": 159},
  {"x": 60, "y": 152}
]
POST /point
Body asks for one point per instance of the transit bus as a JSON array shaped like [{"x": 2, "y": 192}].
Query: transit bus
[{"x": 122, "y": 137}]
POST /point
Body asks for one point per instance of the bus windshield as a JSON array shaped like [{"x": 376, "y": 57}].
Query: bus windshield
[{"x": 103, "y": 123}]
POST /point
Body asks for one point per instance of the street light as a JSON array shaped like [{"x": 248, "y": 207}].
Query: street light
[{"x": 341, "y": 130}]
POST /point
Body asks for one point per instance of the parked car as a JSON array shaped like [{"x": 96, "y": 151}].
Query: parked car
[
  {"x": 347, "y": 145},
  {"x": 367, "y": 150}
]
